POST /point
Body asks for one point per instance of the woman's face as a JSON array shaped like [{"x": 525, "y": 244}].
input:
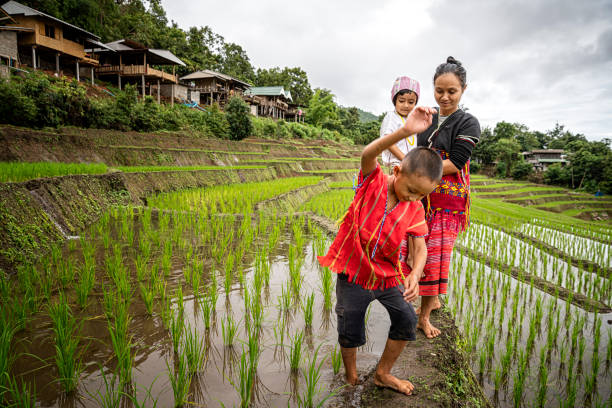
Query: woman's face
[{"x": 448, "y": 91}]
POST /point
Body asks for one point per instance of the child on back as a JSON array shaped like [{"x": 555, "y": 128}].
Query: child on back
[
  {"x": 365, "y": 253},
  {"x": 404, "y": 95}
]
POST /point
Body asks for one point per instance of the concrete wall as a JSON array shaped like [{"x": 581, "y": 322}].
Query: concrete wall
[
  {"x": 4, "y": 71},
  {"x": 8, "y": 44},
  {"x": 180, "y": 91}
]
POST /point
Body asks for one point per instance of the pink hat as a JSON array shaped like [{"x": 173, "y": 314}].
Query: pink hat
[{"x": 405, "y": 83}]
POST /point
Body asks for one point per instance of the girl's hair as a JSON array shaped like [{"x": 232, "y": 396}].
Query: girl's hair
[
  {"x": 454, "y": 67},
  {"x": 404, "y": 92}
]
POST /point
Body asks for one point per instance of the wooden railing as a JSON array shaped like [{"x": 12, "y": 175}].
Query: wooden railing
[{"x": 133, "y": 70}]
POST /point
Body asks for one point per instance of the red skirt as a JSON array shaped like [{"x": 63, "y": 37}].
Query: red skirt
[{"x": 443, "y": 230}]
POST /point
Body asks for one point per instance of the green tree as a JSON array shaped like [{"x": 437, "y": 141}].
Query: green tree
[
  {"x": 237, "y": 114},
  {"x": 486, "y": 150},
  {"x": 235, "y": 62},
  {"x": 321, "y": 107},
  {"x": 507, "y": 152},
  {"x": 294, "y": 79}
]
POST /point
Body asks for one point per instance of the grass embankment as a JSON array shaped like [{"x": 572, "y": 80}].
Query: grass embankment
[
  {"x": 152, "y": 169},
  {"x": 19, "y": 171}
]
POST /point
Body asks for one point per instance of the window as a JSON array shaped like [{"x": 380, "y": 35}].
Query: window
[{"x": 49, "y": 31}]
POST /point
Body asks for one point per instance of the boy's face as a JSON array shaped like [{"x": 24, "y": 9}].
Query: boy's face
[
  {"x": 412, "y": 187},
  {"x": 404, "y": 104}
]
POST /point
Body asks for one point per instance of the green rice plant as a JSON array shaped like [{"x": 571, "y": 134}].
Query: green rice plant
[
  {"x": 543, "y": 380},
  {"x": 327, "y": 288},
  {"x": 180, "y": 301},
  {"x": 213, "y": 295},
  {"x": 307, "y": 309},
  {"x": 112, "y": 395},
  {"x": 285, "y": 300},
  {"x": 206, "y": 310},
  {"x": 229, "y": 329},
  {"x": 147, "y": 293},
  {"x": 336, "y": 360},
  {"x": 246, "y": 382},
  {"x": 21, "y": 171},
  {"x": 85, "y": 284},
  {"x": 66, "y": 336},
  {"x": 295, "y": 352},
  {"x": 23, "y": 396},
  {"x": 141, "y": 267},
  {"x": 66, "y": 271},
  {"x": 195, "y": 351},
  {"x": 519, "y": 379},
  {"x": 176, "y": 331},
  {"x": 121, "y": 341},
  {"x": 309, "y": 397},
  {"x": 180, "y": 379},
  {"x": 7, "y": 332},
  {"x": 166, "y": 304},
  {"x": 498, "y": 378}
]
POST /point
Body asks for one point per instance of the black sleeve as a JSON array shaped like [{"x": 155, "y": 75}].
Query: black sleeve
[{"x": 468, "y": 134}]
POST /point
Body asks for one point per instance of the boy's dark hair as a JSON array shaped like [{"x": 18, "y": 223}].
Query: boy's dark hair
[
  {"x": 454, "y": 67},
  {"x": 404, "y": 92},
  {"x": 424, "y": 162}
]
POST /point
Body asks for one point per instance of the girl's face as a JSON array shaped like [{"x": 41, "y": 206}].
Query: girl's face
[
  {"x": 404, "y": 104},
  {"x": 448, "y": 91}
]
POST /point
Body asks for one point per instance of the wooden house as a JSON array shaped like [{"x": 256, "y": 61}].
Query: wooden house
[
  {"x": 9, "y": 51},
  {"x": 274, "y": 101},
  {"x": 48, "y": 43},
  {"x": 540, "y": 159},
  {"x": 127, "y": 61},
  {"x": 214, "y": 87}
]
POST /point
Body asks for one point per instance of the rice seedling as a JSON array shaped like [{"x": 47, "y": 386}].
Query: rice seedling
[
  {"x": 85, "y": 284},
  {"x": 180, "y": 379},
  {"x": 295, "y": 352},
  {"x": 23, "y": 396},
  {"x": 309, "y": 397},
  {"x": 285, "y": 300},
  {"x": 327, "y": 288},
  {"x": 336, "y": 360},
  {"x": 229, "y": 329},
  {"x": 307, "y": 310},
  {"x": 176, "y": 331},
  {"x": 121, "y": 341},
  {"x": 246, "y": 382},
  {"x": 111, "y": 395},
  {"x": 180, "y": 302},
  {"x": 206, "y": 310},
  {"x": 195, "y": 351},
  {"x": 147, "y": 293},
  {"x": 65, "y": 330},
  {"x": 66, "y": 271}
]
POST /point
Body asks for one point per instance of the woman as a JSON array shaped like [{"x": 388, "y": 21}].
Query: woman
[{"x": 453, "y": 134}]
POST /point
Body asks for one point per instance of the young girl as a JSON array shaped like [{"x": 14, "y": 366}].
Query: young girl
[
  {"x": 404, "y": 95},
  {"x": 453, "y": 134}
]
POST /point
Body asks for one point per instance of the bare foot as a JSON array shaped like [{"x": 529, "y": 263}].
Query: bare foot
[
  {"x": 428, "y": 329},
  {"x": 436, "y": 306},
  {"x": 352, "y": 380},
  {"x": 394, "y": 383}
]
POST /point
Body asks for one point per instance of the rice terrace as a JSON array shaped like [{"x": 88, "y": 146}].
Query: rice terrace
[{"x": 166, "y": 209}]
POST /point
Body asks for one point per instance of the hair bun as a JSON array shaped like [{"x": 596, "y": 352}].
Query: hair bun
[{"x": 451, "y": 60}]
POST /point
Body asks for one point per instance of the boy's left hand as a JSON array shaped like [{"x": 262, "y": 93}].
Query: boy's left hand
[{"x": 411, "y": 287}]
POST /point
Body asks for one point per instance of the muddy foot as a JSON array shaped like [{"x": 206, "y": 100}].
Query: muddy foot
[
  {"x": 428, "y": 329},
  {"x": 394, "y": 383},
  {"x": 352, "y": 380}
]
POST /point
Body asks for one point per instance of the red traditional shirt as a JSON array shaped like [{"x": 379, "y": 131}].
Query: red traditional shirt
[{"x": 367, "y": 247}]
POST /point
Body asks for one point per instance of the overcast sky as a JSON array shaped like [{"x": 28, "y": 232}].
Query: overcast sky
[{"x": 536, "y": 62}]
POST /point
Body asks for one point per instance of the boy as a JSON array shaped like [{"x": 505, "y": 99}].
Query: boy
[{"x": 365, "y": 253}]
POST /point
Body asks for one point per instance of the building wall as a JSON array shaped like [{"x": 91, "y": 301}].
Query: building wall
[
  {"x": 180, "y": 91},
  {"x": 8, "y": 44},
  {"x": 5, "y": 72}
]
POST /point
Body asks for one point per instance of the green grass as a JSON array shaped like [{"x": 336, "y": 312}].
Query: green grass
[
  {"x": 20, "y": 171},
  {"x": 153, "y": 169},
  {"x": 341, "y": 184},
  {"x": 479, "y": 191},
  {"x": 601, "y": 204}
]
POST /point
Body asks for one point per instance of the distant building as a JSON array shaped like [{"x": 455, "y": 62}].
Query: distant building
[
  {"x": 127, "y": 61},
  {"x": 214, "y": 87},
  {"x": 45, "y": 42},
  {"x": 9, "y": 52},
  {"x": 541, "y": 159},
  {"x": 274, "y": 102}
]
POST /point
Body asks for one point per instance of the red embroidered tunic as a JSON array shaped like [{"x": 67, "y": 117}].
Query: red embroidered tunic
[{"x": 367, "y": 247}]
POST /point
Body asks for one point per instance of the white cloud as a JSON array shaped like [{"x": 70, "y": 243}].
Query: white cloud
[{"x": 534, "y": 62}]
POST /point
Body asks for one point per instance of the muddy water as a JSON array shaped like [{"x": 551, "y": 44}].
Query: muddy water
[
  {"x": 153, "y": 354},
  {"x": 558, "y": 371}
]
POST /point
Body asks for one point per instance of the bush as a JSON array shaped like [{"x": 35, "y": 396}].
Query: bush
[
  {"x": 237, "y": 114},
  {"x": 522, "y": 170},
  {"x": 500, "y": 169},
  {"x": 217, "y": 123},
  {"x": 474, "y": 167}
]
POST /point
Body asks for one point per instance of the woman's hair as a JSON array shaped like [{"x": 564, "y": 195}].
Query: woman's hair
[
  {"x": 404, "y": 92},
  {"x": 454, "y": 67}
]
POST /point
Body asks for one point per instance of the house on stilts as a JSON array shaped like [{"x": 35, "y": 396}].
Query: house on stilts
[
  {"x": 213, "y": 87},
  {"x": 47, "y": 43},
  {"x": 274, "y": 101}
]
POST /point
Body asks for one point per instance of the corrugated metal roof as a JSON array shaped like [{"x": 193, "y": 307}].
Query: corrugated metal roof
[
  {"x": 167, "y": 55},
  {"x": 129, "y": 45},
  {"x": 207, "y": 73},
  {"x": 269, "y": 91},
  {"x": 14, "y": 8}
]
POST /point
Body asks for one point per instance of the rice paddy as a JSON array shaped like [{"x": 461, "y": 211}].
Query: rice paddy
[{"x": 199, "y": 299}]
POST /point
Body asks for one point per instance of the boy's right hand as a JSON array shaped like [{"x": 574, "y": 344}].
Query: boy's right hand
[{"x": 419, "y": 119}]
